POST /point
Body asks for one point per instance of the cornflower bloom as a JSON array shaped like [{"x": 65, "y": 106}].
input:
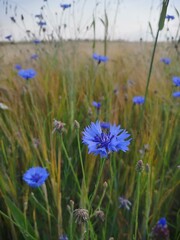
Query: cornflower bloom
[
  {"x": 35, "y": 176},
  {"x": 176, "y": 94},
  {"x": 97, "y": 105},
  {"x": 103, "y": 142},
  {"x": 105, "y": 125},
  {"x": 138, "y": 100},
  {"x": 176, "y": 81},
  {"x": 34, "y": 56},
  {"x": 18, "y": 67},
  {"x": 36, "y": 41},
  {"x": 100, "y": 58},
  {"x": 124, "y": 203},
  {"x": 27, "y": 73},
  {"x": 9, "y": 37},
  {"x": 165, "y": 60},
  {"x": 65, "y": 6},
  {"x": 63, "y": 237},
  {"x": 160, "y": 231},
  {"x": 41, "y": 23},
  {"x": 170, "y": 17}
]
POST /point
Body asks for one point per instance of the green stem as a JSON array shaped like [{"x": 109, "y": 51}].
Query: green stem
[
  {"x": 84, "y": 185},
  {"x": 148, "y": 80},
  {"x": 70, "y": 164},
  {"x": 137, "y": 206},
  {"x": 98, "y": 180}
]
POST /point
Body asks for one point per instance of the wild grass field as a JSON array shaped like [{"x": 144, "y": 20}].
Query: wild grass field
[{"x": 67, "y": 169}]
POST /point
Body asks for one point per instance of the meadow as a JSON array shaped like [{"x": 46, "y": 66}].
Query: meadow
[{"x": 95, "y": 180}]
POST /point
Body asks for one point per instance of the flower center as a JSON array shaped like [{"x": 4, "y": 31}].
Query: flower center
[
  {"x": 35, "y": 177},
  {"x": 103, "y": 140}
]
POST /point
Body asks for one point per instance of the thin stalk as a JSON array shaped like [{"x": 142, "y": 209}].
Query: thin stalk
[
  {"x": 47, "y": 205},
  {"x": 98, "y": 180},
  {"x": 148, "y": 80},
  {"x": 70, "y": 164},
  {"x": 137, "y": 205},
  {"x": 84, "y": 185}
]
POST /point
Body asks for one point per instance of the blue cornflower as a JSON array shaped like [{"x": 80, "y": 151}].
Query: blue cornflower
[
  {"x": 124, "y": 203},
  {"x": 63, "y": 237},
  {"x": 41, "y": 23},
  {"x": 100, "y": 58},
  {"x": 96, "y": 105},
  {"x": 27, "y": 73},
  {"x": 176, "y": 94},
  {"x": 138, "y": 100},
  {"x": 160, "y": 230},
  {"x": 165, "y": 60},
  {"x": 170, "y": 17},
  {"x": 18, "y": 67},
  {"x": 35, "y": 176},
  {"x": 176, "y": 81},
  {"x": 36, "y": 41},
  {"x": 64, "y": 6},
  {"x": 34, "y": 56},
  {"x": 104, "y": 142},
  {"x": 9, "y": 37},
  {"x": 105, "y": 125}
]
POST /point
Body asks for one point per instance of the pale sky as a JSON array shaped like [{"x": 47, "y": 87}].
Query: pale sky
[{"x": 128, "y": 19}]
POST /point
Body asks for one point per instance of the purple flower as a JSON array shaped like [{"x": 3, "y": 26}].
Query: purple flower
[
  {"x": 124, "y": 203},
  {"x": 63, "y": 237},
  {"x": 165, "y": 60},
  {"x": 160, "y": 231},
  {"x": 176, "y": 81},
  {"x": 35, "y": 176},
  {"x": 96, "y": 105},
  {"x": 138, "y": 100},
  {"x": 100, "y": 58},
  {"x": 64, "y": 6},
  {"x": 105, "y": 125},
  {"x": 34, "y": 56},
  {"x": 104, "y": 142},
  {"x": 36, "y": 41},
  {"x": 8, "y": 37},
  {"x": 170, "y": 17},
  {"x": 41, "y": 23},
  {"x": 176, "y": 94},
  {"x": 27, "y": 73},
  {"x": 18, "y": 67}
]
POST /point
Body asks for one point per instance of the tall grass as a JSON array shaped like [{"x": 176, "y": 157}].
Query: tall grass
[{"x": 63, "y": 90}]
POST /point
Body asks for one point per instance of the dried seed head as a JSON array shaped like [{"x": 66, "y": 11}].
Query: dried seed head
[
  {"x": 140, "y": 166},
  {"x": 105, "y": 185},
  {"x": 76, "y": 124},
  {"x": 81, "y": 215},
  {"x": 100, "y": 215},
  {"x": 58, "y": 126},
  {"x": 147, "y": 168}
]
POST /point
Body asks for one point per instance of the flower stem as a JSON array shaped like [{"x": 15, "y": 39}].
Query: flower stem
[
  {"x": 98, "y": 180},
  {"x": 70, "y": 164},
  {"x": 137, "y": 205}
]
